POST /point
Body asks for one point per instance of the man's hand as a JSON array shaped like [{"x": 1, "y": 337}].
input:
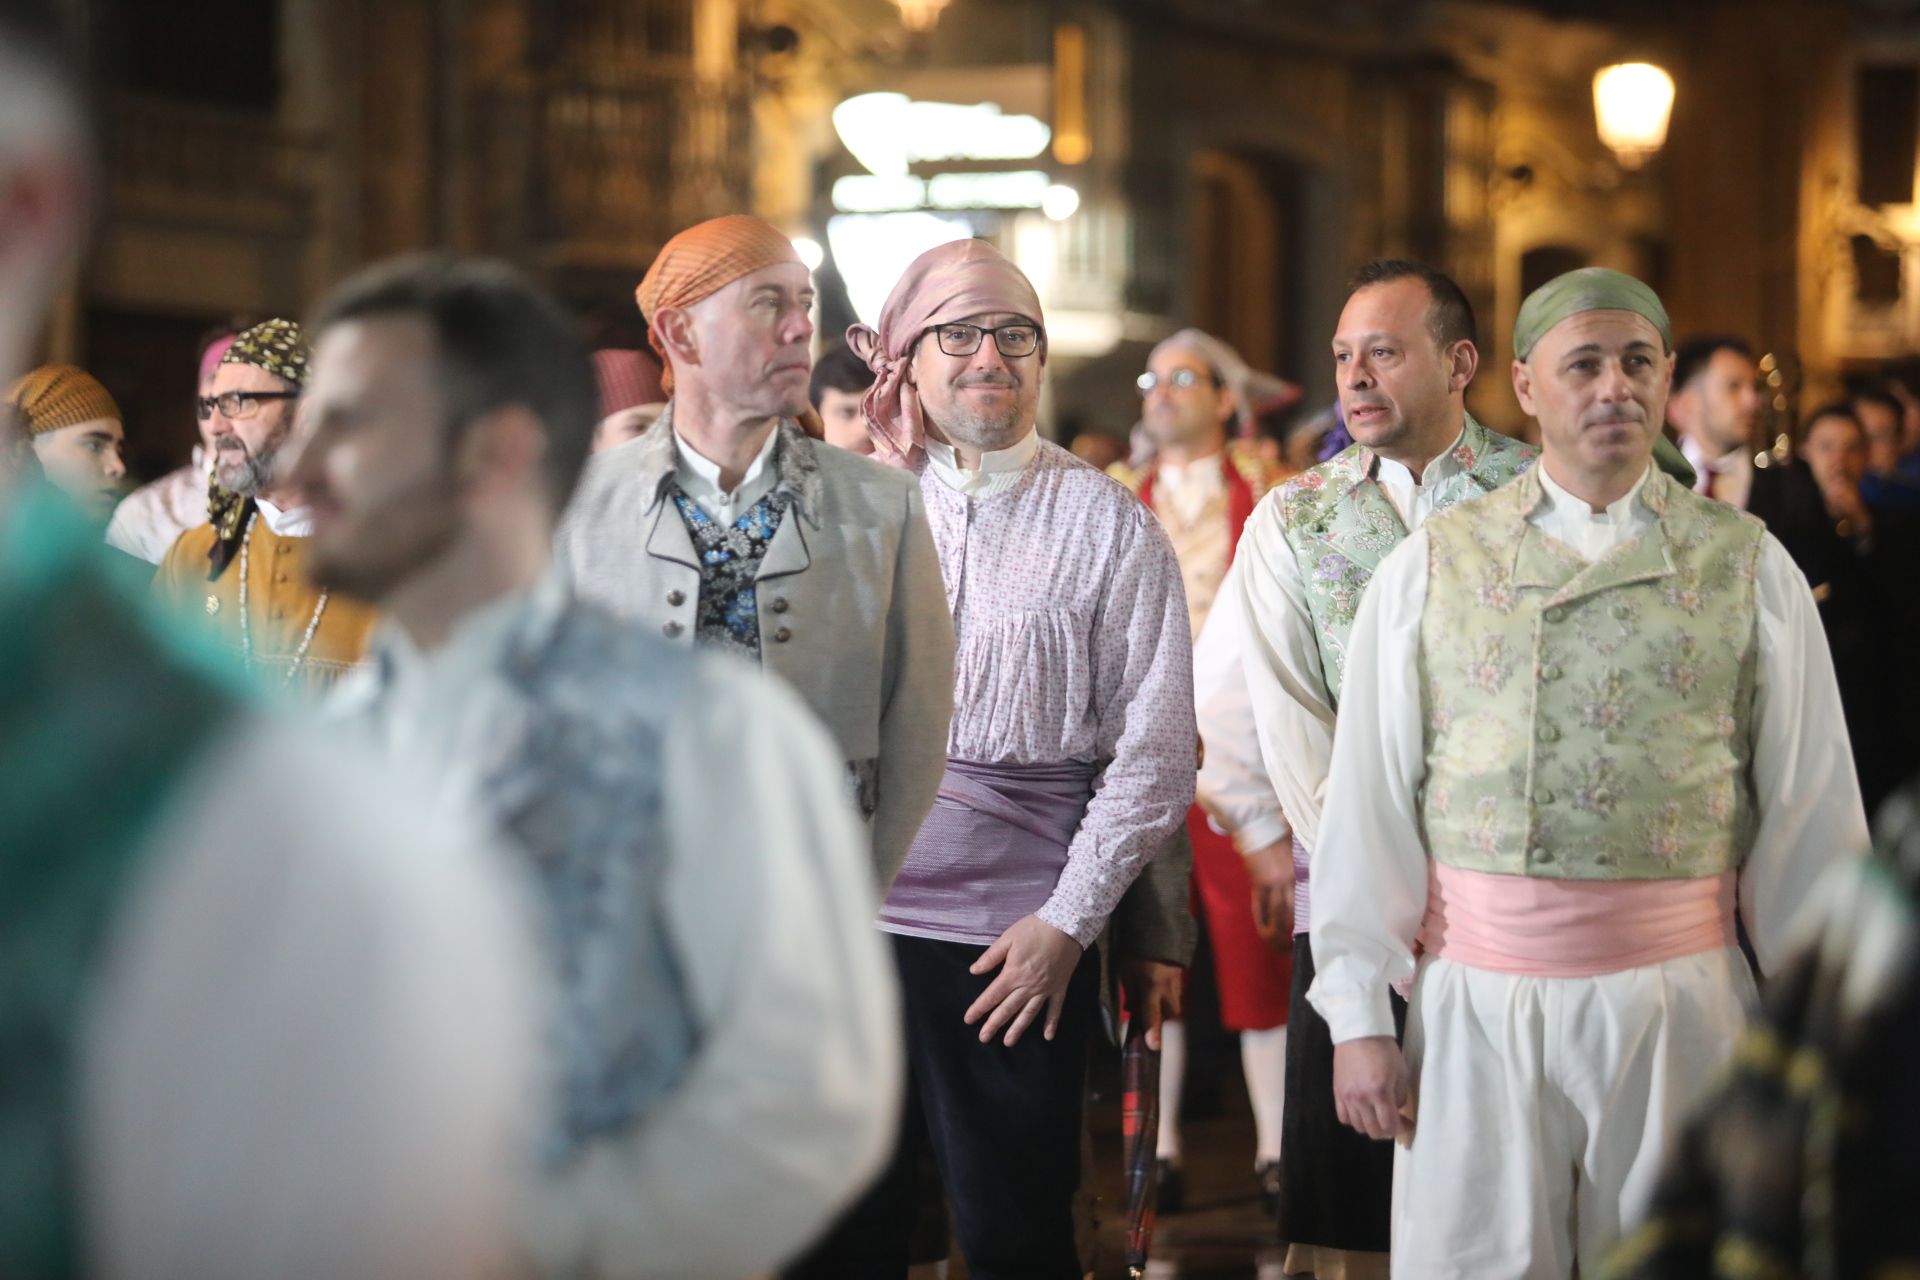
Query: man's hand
[
  {"x": 1372, "y": 1089},
  {"x": 1271, "y": 870},
  {"x": 1153, "y": 994},
  {"x": 1036, "y": 961}
]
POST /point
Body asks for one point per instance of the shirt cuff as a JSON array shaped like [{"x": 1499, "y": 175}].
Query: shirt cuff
[
  {"x": 1077, "y": 925},
  {"x": 1261, "y": 832},
  {"x": 1353, "y": 1015}
]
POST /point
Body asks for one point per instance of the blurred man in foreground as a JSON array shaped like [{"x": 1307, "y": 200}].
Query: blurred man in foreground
[
  {"x": 226, "y": 1055},
  {"x": 724, "y": 1043}
]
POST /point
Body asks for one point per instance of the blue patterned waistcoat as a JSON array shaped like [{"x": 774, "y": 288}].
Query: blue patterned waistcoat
[
  {"x": 571, "y": 773},
  {"x": 728, "y": 611}
]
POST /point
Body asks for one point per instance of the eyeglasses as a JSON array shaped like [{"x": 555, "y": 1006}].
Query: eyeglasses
[
  {"x": 1010, "y": 340},
  {"x": 1179, "y": 379},
  {"x": 239, "y": 404}
]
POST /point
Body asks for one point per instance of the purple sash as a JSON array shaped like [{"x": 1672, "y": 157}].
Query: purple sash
[{"x": 990, "y": 851}]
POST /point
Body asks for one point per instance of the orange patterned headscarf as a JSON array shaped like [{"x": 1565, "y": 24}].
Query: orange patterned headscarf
[{"x": 701, "y": 261}]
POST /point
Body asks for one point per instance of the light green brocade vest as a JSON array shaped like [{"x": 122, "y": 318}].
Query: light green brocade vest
[
  {"x": 1590, "y": 721},
  {"x": 1340, "y": 526}
]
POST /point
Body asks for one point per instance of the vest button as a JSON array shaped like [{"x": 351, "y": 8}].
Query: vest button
[
  {"x": 1602, "y": 797},
  {"x": 1549, "y": 734},
  {"x": 779, "y": 604},
  {"x": 1544, "y": 795},
  {"x": 782, "y": 636},
  {"x": 671, "y": 630},
  {"x": 676, "y": 597},
  {"x": 1540, "y": 853},
  {"x": 1556, "y": 614},
  {"x": 1550, "y": 672}
]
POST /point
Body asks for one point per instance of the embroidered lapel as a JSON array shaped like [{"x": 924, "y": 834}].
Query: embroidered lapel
[
  {"x": 787, "y": 553},
  {"x": 669, "y": 539}
]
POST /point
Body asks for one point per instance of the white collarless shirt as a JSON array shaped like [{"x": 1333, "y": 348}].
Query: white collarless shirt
[
  {"x": 294, "y": 522},
  {"x": 699, "y": 479},
  {"x": 1000, "y": 469}
]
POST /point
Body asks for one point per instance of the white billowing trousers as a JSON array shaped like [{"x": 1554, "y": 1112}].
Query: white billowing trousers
[{"x": 1545, "y": 1106}]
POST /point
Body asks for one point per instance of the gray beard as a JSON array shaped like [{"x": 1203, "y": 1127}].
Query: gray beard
[{"x": 248, "y": 476}]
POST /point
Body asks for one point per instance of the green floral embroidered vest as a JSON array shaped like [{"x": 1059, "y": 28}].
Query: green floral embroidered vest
[
  {"x": 1340, "y": 526},
  {"x": 98, "y": 715},
  {"x": 1590, "y": 721}
]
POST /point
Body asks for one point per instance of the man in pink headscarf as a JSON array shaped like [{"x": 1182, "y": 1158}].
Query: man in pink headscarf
[
  {"x": 148, "y": 520},
  {"x": 1070, "y": 763}
]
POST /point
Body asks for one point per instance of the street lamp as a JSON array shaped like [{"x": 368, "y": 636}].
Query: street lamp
[
  {"x": 920, "y": 15},
  {"x": 1632, "y": 102}
]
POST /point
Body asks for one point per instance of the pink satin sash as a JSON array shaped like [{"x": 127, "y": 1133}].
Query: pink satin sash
[{"x": 1572, "y": 928}]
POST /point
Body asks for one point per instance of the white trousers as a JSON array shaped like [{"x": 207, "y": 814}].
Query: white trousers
[{"x": 1545, "y": 1107}]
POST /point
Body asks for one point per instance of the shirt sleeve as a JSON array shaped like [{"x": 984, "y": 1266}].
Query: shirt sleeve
[
  {"x": 791, "y": 1102},
  {"x": 1369, "y": 866},
  {"x": 1810, "y": 811},
  {"x": 1292, "y": 714},
  {"x": 1233, "y": 786},
  {"x": 313, "y": 1040},
  {"x": 1143, "y": 704}
]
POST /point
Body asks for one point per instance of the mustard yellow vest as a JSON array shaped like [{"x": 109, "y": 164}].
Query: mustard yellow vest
[{"x": 1589, "y": 721}]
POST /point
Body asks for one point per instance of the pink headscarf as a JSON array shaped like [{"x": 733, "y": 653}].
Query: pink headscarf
[
  {"x": 945, "y": 284},
  {"x": 210, "y": 358}
]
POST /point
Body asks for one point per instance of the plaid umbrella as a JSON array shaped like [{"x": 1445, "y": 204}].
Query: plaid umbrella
[{"x": 1139, "y": 1138}]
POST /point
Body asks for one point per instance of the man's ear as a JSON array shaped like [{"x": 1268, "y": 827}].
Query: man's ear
[
  {"x": 1523, "y": 387},
  {"x": 500, "y": 451},
  {"x": 675, "y": 329},
  {"x": 1463, "y": 361}
]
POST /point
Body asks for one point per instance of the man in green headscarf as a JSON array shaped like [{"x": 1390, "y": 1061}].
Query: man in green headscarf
[{"x": 1600, "y": 713}]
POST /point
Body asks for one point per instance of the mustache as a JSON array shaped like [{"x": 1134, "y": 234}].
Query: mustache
[{"x": 987, "y": 380}]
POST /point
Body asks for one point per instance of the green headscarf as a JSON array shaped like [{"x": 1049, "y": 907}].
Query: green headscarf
[
  {"x": 1599, "y": 289},
  {"x": 1588, "y": 289}
]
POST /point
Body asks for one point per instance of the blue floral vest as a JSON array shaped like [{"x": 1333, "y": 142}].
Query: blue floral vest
[{"x": 727, "y": 615}]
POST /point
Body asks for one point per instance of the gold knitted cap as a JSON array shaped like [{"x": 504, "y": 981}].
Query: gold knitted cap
[{"x": 59, "y": 395}]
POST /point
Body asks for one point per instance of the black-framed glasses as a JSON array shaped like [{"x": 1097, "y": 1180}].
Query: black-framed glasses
[
  {"x": 1010, "y": 340},
  {"x": 1179, "y": 380},
  {"x": 239, "y": 404}
]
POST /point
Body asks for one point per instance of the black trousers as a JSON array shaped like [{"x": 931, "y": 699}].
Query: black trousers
[
  {"x": 1336, "y": 1185},
  {"x": 1004, "y": 1125}
]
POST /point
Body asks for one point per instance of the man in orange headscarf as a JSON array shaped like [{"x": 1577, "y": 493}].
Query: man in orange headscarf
[{"x": 726, "y": 524}]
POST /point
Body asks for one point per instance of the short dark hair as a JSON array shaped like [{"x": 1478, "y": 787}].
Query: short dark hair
[
  {"x": 1877, "y": 393},
  {"x": 1691, "y": 358},
  {"x": 1449, "y": 316},
  {"x": 1832, "y": 409},
  {"x": 838, "y": 369},
  {"x": 499, "y": 340}
]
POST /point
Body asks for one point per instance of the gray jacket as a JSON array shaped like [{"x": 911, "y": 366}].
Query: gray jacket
[{"x": 853, "y": 612}]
